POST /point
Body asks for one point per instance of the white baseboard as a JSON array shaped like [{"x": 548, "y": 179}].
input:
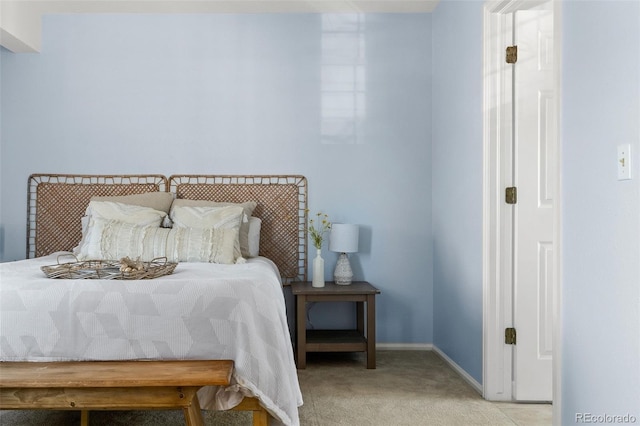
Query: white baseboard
[
  {"x": 404, "y": 346},
  {"x": 466, "y": 376}
]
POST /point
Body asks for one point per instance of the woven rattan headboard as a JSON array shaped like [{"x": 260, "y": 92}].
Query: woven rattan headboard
[
  {"x": 56, "y": 203},
  {"x": 282, "y": 202}
]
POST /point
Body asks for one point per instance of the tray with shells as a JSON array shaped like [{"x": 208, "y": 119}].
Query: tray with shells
[{"x": 123, "y": 269}]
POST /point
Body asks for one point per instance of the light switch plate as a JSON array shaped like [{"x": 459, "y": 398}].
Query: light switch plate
[{"x": 624, "y": 162}]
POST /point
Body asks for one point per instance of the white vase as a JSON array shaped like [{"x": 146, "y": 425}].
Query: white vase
[{"x": 318, "y": 270}]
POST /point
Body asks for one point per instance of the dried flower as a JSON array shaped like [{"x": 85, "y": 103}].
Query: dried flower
[{"x": 318, "y": 228}]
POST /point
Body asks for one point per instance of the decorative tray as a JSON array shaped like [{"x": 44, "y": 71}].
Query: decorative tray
[{"x": 123, "y": 269}]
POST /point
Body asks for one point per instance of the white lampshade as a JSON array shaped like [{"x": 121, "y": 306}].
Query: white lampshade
[{"x": 344, "y": 238}]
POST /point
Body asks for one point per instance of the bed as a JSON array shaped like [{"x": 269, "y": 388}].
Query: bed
[{"x": 202, "y": 310}]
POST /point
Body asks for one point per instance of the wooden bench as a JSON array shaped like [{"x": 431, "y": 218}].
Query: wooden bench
[{"x": 116, "y": 385}]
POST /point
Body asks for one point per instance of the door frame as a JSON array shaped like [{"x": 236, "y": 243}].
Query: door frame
[{"x": 497, "y": 220}]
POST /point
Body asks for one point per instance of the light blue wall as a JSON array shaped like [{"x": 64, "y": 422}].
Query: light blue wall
[
  {"x": 457, "y": 182},
  {"x": 240, "y": 94},
  {"x": 601, "y": 215}
]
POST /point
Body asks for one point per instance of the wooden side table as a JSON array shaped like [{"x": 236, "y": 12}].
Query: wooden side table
[{"x": 362, "y": 339}]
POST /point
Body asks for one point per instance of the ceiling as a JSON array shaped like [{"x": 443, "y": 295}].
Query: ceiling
[{"x": 20, "y": 20}]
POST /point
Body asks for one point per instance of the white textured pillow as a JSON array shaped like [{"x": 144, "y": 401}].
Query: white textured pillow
[
  {"x": 196, "y": 217},
  {"x": 160, "y": 201},
  {"x": 253, "y": 237},
  {"x": 113, "y": 240},
  {"x": 248, "y": 208},
  {"x": 214, "y": 245},
  {"x": 126, "y": 213},
  {"x": 206, "y": 217}
]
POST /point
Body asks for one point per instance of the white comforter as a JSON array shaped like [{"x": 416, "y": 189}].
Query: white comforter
[{"x": 201, "y": 311}]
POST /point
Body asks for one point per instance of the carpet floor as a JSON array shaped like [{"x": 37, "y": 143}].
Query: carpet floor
[{"x": 406, "y": 388}]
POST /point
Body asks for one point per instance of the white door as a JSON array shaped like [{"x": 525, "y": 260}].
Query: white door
[{"x": 534, "y": 150}]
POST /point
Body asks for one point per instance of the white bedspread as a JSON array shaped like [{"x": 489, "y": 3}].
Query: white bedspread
[{"x": 201, "y": 311}]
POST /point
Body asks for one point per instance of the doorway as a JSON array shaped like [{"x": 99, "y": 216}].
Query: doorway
[{"x": 520, "y": 265}]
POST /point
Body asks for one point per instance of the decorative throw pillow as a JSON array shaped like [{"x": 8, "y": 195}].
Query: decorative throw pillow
[
  {"x": 215, "y": 245},
  {"x": 222, "y": 217},
  {"x": 126, "y": 213},
  {"x": 255, "y": 224},
  {"x": 160, "y": 201},
  {"x": 248, "y": 208},
  {"x": 113, "y": 240}
]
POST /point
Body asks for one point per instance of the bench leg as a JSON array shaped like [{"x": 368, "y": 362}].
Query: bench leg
[
  {"x": 84, "y": 418},
  {"x": 193, "y": 413},
  {"x": 260, "y": 418},
  {"x": 260, "y": 415}
]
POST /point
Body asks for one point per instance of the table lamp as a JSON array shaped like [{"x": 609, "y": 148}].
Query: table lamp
[{"x": 343, "y": 239}]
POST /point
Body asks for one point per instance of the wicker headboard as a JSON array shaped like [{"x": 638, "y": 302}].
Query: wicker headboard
[
  {"x": 56, "y": 203},
  {"x": 282, "y": 203}
]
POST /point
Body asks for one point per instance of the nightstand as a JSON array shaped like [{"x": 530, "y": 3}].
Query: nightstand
[{"x": 362, "y": 339}]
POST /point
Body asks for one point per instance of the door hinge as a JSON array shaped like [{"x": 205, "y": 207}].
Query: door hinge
[
  {"x": 511, "y": 195},
  {"x": 510, "y": 336},
  {"x": 512, "y": 54}
]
